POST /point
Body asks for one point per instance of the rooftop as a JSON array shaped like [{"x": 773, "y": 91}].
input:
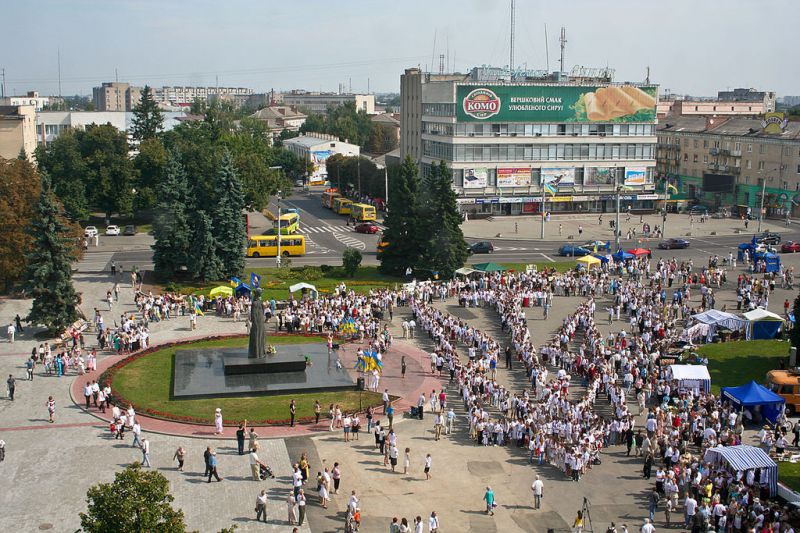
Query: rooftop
[{"x": 738, "y": 126}]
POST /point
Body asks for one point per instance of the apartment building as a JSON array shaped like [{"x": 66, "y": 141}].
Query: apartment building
[
  {"x": 315, "y": 102},
  {"x": 116, "y": 96},
  {"x": 186, "y": 95},
  {"x": 17, "y": 131}
]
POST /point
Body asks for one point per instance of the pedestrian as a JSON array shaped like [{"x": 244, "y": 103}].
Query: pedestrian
[
  {"x": 292, "y": 411},
  {"x": 433, "y": 523},
  {"x": 393, "y": 456},
  {"x": 212, "y": 466},
  {"x": 648, "y": 527},
  {"x": 207, "y": 460},
  {"x": 390, "y": 414},
  {"x": 438, "y": 424},
  {"x": 11, "y": 384},
  {"x": 428, "y": 462},
  {"x": 538, "y": 491},
  {"x": 218, "y": 421},
  {"x": 261, "y": 506},
  {"x": 421, "y": 405},
  {"x": 317, "y": 411},
  {"x": 418, "y": 524},
  {"x": 406, "y": 460},
  {"x": 30, "y": 364},
  {"x": 145, "y": 452},
  {"x": 10, "y": 332},
  {"x": 291, "y": 504},
  {"x": 137, "y": 433},
  {"x": 403, "y": 364},
  {"x": 577, "y": 524},
  {"x": 488, "y": 497},
  {"x": 87, "y": 394},
  {"x": 385, "y": 400},
  {"x": 2, "y": 451},
  {"x": 336, "y": 475},
  {"x": 301, "y": 507},
  {"x": 180, "y": 456},
  {"x": 252, "y": 441},
  {"x": 18, "y": 322},
  {"x": 322, "y": 490},
  {"x": 255, "y": 464},
  {"x": 51, "y": 408},
  {"x": 240, "y": 433}
]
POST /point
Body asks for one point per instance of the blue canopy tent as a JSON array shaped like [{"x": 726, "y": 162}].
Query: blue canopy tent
[
  {"x": 742, "y": 247},
  {"x": 762, "y": 324},
  {"x": 622, "y": 255},
  {"x": 242, "y": 289},
  {"x": 773, "y": 262},
  {"x": 603, "y": 258},
  {"x": 742, "y": 458},
  {"x": 753, "y": 396}
]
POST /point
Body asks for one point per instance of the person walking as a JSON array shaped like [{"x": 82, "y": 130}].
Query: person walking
[
  {"x": 291, "y": 505},
  {"x": 301, "y": 507},
  {"x": 145, "y": 446},
  {"x": 51, "y": 408},
  {"x": 406, "y": 460},
  {"x": 207, "y": 460},
  {"x": 252, "y": 439},
  {"x": 10, "y": 332},
  {"x": 433, "y": 523},
  {"x": 292, "y": 412},
  {"x": 87, "y": 394},
  {"x": 538, "y": 491},
  {"x": 11, "y": 384},
  {"x": 137, "y": 433},
  {"x": 428, "y": 463},
  {"x": 255, "y": 464},
  {"x": 212, "y": 466},
  {"x": 180, "y": 456},
  {"x": 218, "y": 421},
  {"x": 488, "y": 497},
  {"x": 261, "y": 506},
  {"x": 317, "y": 411},
  {"x": 240, "y": 434},
  {"x": 438, "y": 424},
  {"x": 29, "y": 366},
  {"x": 336, "y": 475}
]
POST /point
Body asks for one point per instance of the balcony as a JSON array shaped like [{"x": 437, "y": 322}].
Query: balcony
[{"x": 736, "y": 153}]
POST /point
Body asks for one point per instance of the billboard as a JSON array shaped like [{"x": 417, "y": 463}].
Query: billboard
[
  {"x": 513, "y": 177},
  {"x": 476, "y": 178},
  {"x": 635, "y": 176},
  {"x": 599, "y": 176},
  {"x": 320, "y": 172},
  {"x": 559, "y": 177},
  {"x": 543, "y": 103},
  {"x": 718, "y": 183}
]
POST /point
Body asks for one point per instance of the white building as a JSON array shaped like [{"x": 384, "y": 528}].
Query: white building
[
  {"x": 317, "y": 148},
  {"x": 32, "y": 99},
  {"x": 50, "y": 124},
  {"x": 186, "y": 95},
  {"x": 320, "y": 102}
]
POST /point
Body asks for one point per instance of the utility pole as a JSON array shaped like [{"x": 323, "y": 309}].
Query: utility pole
[
  {"x": 616, "y": 223},
  {"x": 358, "y": 172},
  {"x": 3, "y": 86},
  {"x": 563, "y": 40},
  {"x": 386, "y": 186},
  {"x": 664, "y": 217},
  {"x": 59, "y": 72},
  {"x": 511, "y": 48},
  {"x": 541, "y": 209},
  {"x": 761, "y": 209}
]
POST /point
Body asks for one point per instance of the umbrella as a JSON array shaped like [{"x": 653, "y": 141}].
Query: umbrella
[
  {"x": 489, "y": 267},
  {"x": 639, "y": 251},
  {"x": 222, "y": 290}
]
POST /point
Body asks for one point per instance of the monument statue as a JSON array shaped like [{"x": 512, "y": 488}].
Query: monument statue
[{"x": 258, "y": 334}]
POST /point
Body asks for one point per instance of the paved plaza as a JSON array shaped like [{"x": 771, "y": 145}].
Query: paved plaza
[{"x": 49, "y": 467}]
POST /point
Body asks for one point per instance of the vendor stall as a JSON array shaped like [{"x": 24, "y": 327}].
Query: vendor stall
[
  {"x": 305, "y": 287},
  {"x": 694, "y": 377},
  {"x": 743, "y": 458},
  {"x": 222, "y": 290},
  {"x": 588, "y": 262},
  {"x": 719, "y": 319},
  {"x": 638, "y": 252},
  {"x": 622, "y": 255},
  {"x": 758, "y": 400},
  {"x": 762, "y": 324}
]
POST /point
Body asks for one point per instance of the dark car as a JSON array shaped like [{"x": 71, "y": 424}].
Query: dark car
[
  {"x": 790, "y": 247},
  {"x": 698, "y": 210},
  {"x": 768, "y": 238},
  {"x": 572, "y": 250},
  {"x": 671, "y": 244},
  {"x": 129, "y": 230},
  {"x": 367, "y": 227},
  {"x": 482, "y": 247}
]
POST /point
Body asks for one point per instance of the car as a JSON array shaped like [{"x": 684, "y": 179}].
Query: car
[
  {"x": 90, "y": 231},
  {"x": 573, "y": 250},
  {"x": 764, "y": 248},
  {"x": 698, "y": 210},
  {"x": 299, "y": 183},
  {"x": 790, "y": 247},
  {"x": 367, "y": 227},
  {"x": 599, "y": 245},
  {"x": 112, "y": 230},
  {"x": 671, "y": 244},
  {"x": 129, "y": 230},
  {"x": 768, "y": 238},
  {"x": 481, "y": 247}
]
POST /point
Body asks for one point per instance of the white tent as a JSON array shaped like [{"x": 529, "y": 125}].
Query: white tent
[
  {"x": 695, "y": 377},
  {"x": 762, "y": 324},
  {"x": 716, "y": 319},
  {"x": 302, "y": 285},
  {"x": 465, "y": 271}
]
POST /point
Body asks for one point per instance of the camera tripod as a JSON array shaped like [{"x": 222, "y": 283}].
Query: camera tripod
[{"x": 587, "y": 518}]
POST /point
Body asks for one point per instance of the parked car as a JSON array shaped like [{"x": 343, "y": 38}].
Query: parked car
[
  {"x": 112, "y": 230},
  {"x": 671, "y": 244},
  {"x": 90, "y": 231},
  {"x": 481, "y": 247},
  {"x": 698, "y": 210},
  {"x": 573, "y": 250},
  {"x": 599, "y": 245},
  {"x": 129, "y": 230},
  {"x": 790, "y": 247},
  {"x": 367, "y": 227},
  {"x": 768, "y": 238}
]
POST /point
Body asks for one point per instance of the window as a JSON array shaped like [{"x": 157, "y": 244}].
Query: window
[
  {"x": 749, "y": 164},
  {"x": 696, "y": 143},
  {"x": 749, "y": 147},
  {"x": 760, "y": 165},
  {"x": 737, "y": 146},
  {"x": 705, "y": 159},
  {"x": 798, "y": 169},
  {"x": 785, "y": 185},
  {"x": 747, "y": 180},
  {"x": 762, "y": 148},
  {"x": 685, "y": 157},
  {"x": 705, "y": 143},
  {"x": 694, "y": 159}
]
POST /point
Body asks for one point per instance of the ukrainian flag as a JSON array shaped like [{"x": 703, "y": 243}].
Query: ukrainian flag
[{"x": 235, "y": 282}]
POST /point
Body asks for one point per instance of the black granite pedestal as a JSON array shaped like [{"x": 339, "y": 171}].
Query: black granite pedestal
[{"x": 216, "y": 372}]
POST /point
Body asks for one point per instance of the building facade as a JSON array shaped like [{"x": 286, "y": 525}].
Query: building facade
[
  {"x": 320, "y": 102},
  {"x": 517, "y": 142},
  {"x": 50, "y": 124},
  {"x": 31, "y": 98},
  {"x": 317, "y": 148},
  {"x": 116, "y": 96},
  {"x": 726, "y": 162},
  {"x": 17, "y": 131},
  {"x": 187, "y": 95},
  {"x": 279, "y": 118}
]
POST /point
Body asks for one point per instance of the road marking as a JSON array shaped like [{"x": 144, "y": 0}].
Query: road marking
[
  {"x": 548, "y": 257},
  {"x": 350, "y": 241},
  {"x": 95, "y": 261},
  {"x": 510, "y": 249}
]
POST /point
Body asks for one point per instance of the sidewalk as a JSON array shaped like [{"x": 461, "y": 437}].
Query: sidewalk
[{"x": 519, "y": 228}]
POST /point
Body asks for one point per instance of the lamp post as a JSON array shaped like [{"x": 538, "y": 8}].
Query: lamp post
[
  {"x": 616, "y": 223},
  {"x": 278, "y": 257},
  {"x": 761, "y": 209}
]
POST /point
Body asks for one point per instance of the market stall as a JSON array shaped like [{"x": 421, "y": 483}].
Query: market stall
[
  {"x": 756, "y": 399},
  {"x": 489, "y": 267},
  {"x": 719, "y": 319},
  {"x": 588, "y": 261},
  {"x": 305, "y": 287},
  {"x": 743, "y": 458},
  {"x": 222, "y": 290},
  {"x": 694, "y": 377},
  {"x": 622, "y": 255},
  {"x": 762, "y": 324},
  {"x": 638, "y": 252}
]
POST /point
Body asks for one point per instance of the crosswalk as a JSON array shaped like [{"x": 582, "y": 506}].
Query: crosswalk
[
  {"x": 329, "y": 229},
  {"x": 95, "y": 261}
]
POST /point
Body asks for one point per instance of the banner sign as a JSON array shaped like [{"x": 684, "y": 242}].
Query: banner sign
[
  {"x": 647, "y": 197},
  {"x": 559, "y": 177},
  {"x": 476, "y": 178},
  {"x": 635, "y": 176},
  {"x": 320, "y": 172},
  {"x": 513, "y": 177},
  {"x": 550, "y": 103},
  {"x": 599, "y": 176}
]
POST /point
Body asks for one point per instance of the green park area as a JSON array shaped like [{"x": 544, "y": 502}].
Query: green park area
[
  {"x": 735, "y": 363},
  {"x": 147, "y": 383}
]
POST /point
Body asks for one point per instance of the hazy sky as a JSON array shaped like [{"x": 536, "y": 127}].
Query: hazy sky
[{"x": 691, "y": 46}]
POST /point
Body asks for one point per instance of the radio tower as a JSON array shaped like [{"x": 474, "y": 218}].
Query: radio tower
[
  {"x": 441, "y": 63},
  {"x": 511, "y": 52},
  {"x": 563, "y": 41}
]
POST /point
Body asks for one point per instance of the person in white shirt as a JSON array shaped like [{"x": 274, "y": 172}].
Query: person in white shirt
[
  {"x": 137, "y": 432},
  {"x": 648, "y": 527},
  {"x": 433, "y": 523},
  {"x": 255, "y": 463},
  {"x": 261, "y": 506},
  {"x": 428, "y": 462},
  {"x": 145, "y": 452},
  {"x": 537, "y": 488}
]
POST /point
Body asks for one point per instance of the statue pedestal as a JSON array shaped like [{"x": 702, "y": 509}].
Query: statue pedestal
[{"x": 241, "y": 363}]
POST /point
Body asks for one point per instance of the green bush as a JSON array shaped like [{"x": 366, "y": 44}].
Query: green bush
[
  {"x": 351, "y": 260},
  {"x": 326, "y": 269},
  {"x": 311, "y": 273}
]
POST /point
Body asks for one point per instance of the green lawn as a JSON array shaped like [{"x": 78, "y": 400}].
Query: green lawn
[
  {"x": 736, "y": 363},
  {"x": 789, "y": 474},
  {"x": 147, "y": 383}
]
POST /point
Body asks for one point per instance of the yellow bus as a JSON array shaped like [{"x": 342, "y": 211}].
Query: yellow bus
[
  {"x": 363, "y": 212},
  {"x": 329, "y": 196},
  {"x": 342, "y": 205},
  {"x": 289, "y": 223},
  {"x": 267, "y": 245}
]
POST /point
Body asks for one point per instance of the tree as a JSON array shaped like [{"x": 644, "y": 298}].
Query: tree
[
  {"x": 405, "y": 243},
  {"x": 150, "y": 165},
  {"x": 228, "y": 220},
  {"x": 48, "y": 274},
  {"x": 19, "y": 190},
  {"x": 204, "y": 263},
  {"x": 137, "y": 500},
  {"x": 63, "y": 162},
  {"x": 110, "y": 176},
  {"x": 351, "y": 260},
  {"x": 446, "y": 249},
  {"x": 171, "y": 229},
  {"x": 148, "y": 119}
]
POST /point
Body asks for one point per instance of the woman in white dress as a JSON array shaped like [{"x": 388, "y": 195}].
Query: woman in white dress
[
  {"x": 323, "y": 490},
  {"x": 218, "y": 421},
  {"x": 290, "y": 508}
]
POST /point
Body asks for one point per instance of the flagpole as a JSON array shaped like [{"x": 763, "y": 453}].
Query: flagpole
[{"x": 541, "y": 236}]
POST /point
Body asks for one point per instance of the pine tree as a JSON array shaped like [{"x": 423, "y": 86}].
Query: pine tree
[
  {"x": 227, "y": 218},
  {"x": 148, "y": 119},
  {"x": 403, "y": 227},
  {"x": 171, "y": 227},
  {"x": 204, "y": 263},
  {"x": 446, "y": 250},
  {"x": 48, "y": 274}
]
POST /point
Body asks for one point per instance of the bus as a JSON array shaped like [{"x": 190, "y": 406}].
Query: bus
[
  {"x": 267, "y": 245},
  {"x": 363, "y": 212},
  {"x": 289, "y": 223},
  {"x": 342, "y": 205},
  {"x": 329, "y": 196}
]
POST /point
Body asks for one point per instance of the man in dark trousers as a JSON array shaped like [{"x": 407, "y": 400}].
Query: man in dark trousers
[
  {"x": 12, "y": 385},
  {"x": 508, "y": 357},
  {"x": 18, "y": 320},
  {"x": 206, "y": 457},
  {"x": 292, "y": 411},
  {"x": 240, "y": 436}
]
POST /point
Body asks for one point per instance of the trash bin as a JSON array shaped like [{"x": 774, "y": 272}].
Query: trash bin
[
  {"x": 525, "y": 302},
  {"x": 360, "y": 383}
]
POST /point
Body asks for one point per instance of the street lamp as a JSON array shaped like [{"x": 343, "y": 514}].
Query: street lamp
[
  {"x": 761, "y": 209},
  {"x": 616, "y": 223},
  {"x": 278, "y": 237}
]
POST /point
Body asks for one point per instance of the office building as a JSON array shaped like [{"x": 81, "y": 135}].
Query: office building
[
  {"x": 320, "y": 102},
  {"x": 31, "y": 98},
  {"x": 513, "y": 140},
  {"x": 116, "y": 96},
  {"x": 187, "y": 95},
  {"x": 17, "y": 131},
  {"x": 317, "y": 148},
  {"x": 51, "y": 124}
]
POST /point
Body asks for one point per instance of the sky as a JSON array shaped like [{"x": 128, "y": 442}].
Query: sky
[{"x": 691, "y": 46}]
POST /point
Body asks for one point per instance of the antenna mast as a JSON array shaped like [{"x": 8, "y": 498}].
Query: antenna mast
[
  {"x": 563, "y": 40},
  {"x": 546, "y": 50},
  {"x": 511, "y": 53},
  {"x": 59, "y": 72},
  {"x": 433, "y": 52}
]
